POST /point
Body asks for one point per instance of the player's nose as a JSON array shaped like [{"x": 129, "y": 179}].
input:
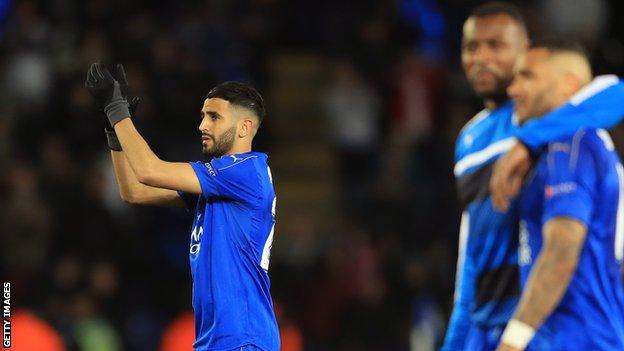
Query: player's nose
[
  {"x": 203, "y": 125},
  {"x": 513, "y": 90},
  {"x": 482, "y": 54}
]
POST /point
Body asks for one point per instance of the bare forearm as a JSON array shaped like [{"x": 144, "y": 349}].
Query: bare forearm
[
  {"x": 547, "y": 284},
  {"x": 553, "y": 270},
  {"x": 140, "y": 157},
  {"x": 132, "y": 191},
  {"x": 128, "y": 184}
]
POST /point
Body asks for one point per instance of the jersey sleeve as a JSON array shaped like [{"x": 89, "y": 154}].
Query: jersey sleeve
[
  {"x": 237, "y": 181},
  {"x": 460, "y": 322},
  {"x": 570, "y": 181},
  {"x": 458, "y": 328},
  {"x": 597, "y": 105},
  {"x": 460, "y": 150}
]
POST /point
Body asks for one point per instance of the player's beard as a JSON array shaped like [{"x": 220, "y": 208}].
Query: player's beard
[
  {"x": 539, "y": 107},
  {"x": 499, "y": 92},
  {"x": 498, "y": 95},
  {"x": 221, "y": 145}
]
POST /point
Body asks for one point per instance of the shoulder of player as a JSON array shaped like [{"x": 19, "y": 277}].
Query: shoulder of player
[
  {"x": 246, "y": 164},
  {"x": 584, "y": 143},
  {"x": 471, "y": 130},
  {"x": 589, "y": 139},
  {"x": 487, "y": 132},
  {"x": 489, "y": 117},
  {"x": 486, "y": 124},
  {"x": 596, "y": 86},
  {"x": 475, "y": 121}
]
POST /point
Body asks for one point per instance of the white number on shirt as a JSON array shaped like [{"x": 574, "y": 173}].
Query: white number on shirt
[
  {"x": 524, "y": 249},
  {"x": 266, "y": 251},
  {"x": 619, "y": 221}
]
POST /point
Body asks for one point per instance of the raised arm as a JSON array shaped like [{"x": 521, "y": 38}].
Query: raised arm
[
  {"x": 549, "y": 278},
  {"x": 148, "y": 168},
  {"x": 132, "y": 191}
]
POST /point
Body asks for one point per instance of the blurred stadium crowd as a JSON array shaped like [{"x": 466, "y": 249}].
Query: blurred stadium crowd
[{"x": 381, "y": 97}]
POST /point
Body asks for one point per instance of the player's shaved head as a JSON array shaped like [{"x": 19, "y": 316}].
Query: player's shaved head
[
  {"x": 547, "y": 76},
  {"x": 494, "y": 35},
  {"x": 567, "y": 58}
]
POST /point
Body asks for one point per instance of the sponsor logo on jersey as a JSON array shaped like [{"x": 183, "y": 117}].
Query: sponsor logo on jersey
[
  {"x": 559, "y": 189},
  {"x": 210, "y": 169}
]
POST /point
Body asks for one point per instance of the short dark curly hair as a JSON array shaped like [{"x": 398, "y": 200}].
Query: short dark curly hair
[
  {"x": 240, "y": 94},
  {"x": 499, "y": 7}
]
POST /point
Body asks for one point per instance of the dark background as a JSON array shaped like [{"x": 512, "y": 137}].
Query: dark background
[{"x": 365, "y": 99}]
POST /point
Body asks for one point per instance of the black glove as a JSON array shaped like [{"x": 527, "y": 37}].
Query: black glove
[
  {"x": 111, "y": 136},
  {"x": 92, "y": 79},
  {"x": 108, "y": 92}
]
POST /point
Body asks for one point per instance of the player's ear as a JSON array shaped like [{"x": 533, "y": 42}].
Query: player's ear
[
  {"x": 245, "y": 127},
  {"x": 571, "y": 84},
  {"x": 527, "y": 44}
]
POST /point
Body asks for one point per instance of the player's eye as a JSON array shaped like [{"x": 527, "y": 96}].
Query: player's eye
[
  {"x": 470, "y": 46},
  {"x": 495, "y": 44}
]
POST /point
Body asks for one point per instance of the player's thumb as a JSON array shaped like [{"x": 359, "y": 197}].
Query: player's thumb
[
  {"x": 121, "y": 75},
  {"x": 134, "y": 105}
]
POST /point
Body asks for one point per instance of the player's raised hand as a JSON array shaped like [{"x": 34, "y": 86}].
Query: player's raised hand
[
  {"x": 122, "y": 80},
  {"x": 100, "y": 84},
  {"x": 508, "y": 176},
  {"x": 111, "y": 136},
  {"x": 108, "y": 92},
  {"x": 125, "y": 90}
]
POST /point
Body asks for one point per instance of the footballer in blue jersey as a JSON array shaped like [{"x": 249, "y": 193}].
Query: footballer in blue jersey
[
  {"x": 232, "y": 198},
  {"x": 230, "y": 245},
  {"x": 572, "y": 218},
  {"x": 579, "y": 179},
  {"x": 487, "y": 280}
]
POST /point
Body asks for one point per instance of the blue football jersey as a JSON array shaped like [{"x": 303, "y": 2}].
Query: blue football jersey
[
  {"x": 231, "y": 239},
  {"x": 487, "y": 279},
  {"x": 580, "y": 177}
]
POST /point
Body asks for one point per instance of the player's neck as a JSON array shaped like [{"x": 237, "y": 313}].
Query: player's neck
[
  {"x": 494, "y": 102},
  {"x": 490, "y": 104},
  {"x": 239, "y": 149}
]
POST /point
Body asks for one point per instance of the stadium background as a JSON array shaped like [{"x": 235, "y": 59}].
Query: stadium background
[{"x": 365, "y": 99}]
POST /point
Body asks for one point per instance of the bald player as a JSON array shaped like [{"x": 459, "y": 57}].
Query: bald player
[
  {"x": 572, "y": 219},
  {"x": 487, "y": 280}
]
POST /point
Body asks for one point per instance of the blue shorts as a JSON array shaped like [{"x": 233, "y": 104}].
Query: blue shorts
[{"x": 483, "y": 338}]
